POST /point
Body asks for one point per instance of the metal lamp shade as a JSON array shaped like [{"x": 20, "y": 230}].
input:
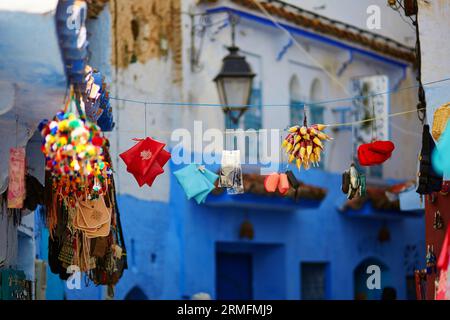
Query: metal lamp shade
[{"x": 234, "y": 82}]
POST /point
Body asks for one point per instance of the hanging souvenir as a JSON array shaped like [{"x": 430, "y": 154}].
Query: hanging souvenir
[
  {"x": 145, "y": 160},
  {"x": 196, "y": 181},
  {"x": 375, "y": 153},
  {"x": 73, "y": 147},
  {"x": 271, "y": 182},
  {"x": 16, "y": 187},
  {"x": 93, "y": 217},
  {"x": 438, "y": 222},
  {"x": 430, "y": 260},
  {"x": 294, "y": 183},
  {"x": 230, "y": 175},
  {"x": 428, "y": 180},
  {"x": 96, "y": 98},
  {"x": 155, "y": 170},
  {"x": 305, "y": 144},
  {"x": 277, "y": 181},
  {"x": 353, "y": 183},
  {"x": 440, "y": 119}
]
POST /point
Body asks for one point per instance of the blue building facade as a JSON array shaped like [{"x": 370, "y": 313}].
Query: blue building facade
[{"x": 178, "y": 249}]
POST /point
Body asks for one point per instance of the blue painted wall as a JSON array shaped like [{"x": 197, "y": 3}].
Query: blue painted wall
[{"x": 172, "y": 246}]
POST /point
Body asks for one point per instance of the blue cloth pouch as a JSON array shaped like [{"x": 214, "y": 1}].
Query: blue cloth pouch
[
  {"x": 191, "y": 180},
  {"x": 211, "y": 178},
  {"x": 196, "y": 183}
]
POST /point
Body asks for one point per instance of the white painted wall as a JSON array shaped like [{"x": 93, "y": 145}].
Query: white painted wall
[
  {"x": 152, "y": 81},
  {"x": 355, "y": 13},
  {"x": 434, "y": 29},
  {"x": 434, "y": 26}
]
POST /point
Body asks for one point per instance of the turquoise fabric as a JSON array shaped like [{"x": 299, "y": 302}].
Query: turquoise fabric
[
  {"x": 211, "y": 178},
  {"x": 441, "y": 154},
  {"x": 195, "y": 183}
]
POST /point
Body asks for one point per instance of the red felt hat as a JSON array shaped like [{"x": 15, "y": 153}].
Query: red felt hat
[
  {"x": 375, "y": 153},
  {"x": 383, "y": 147}
]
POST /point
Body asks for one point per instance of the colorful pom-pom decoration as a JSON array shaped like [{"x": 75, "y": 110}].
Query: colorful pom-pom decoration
[{"x": 73, "y": 148}]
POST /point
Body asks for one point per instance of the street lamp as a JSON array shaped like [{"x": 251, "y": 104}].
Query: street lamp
[{"x": 234, "y": 82}]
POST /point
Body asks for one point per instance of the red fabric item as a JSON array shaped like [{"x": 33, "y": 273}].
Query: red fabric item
[
  {"x": 271, "y": 182},
  {"x": 283, "y": 184},
  {"x": 383, "y": 147},
  {"x": 143, "y": 160},
  {"x": 375, "y": 153},
  {"x": 442, "y": 265},
  {"x": 155, "y": 170},
  {"x": 444, "y": 256},
  {"x": 141, "y": 156}
]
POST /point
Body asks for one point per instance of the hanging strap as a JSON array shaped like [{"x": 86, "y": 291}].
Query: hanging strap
[
  {"x": 74, "y": 100},
  {"x": 69, "y": 100},
  {"x": 305, "y": 118}
]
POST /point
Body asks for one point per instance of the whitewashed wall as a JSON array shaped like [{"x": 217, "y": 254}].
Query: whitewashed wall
[
  {"x": 266, "y": 42},
  {"x": 354, "y": 12},
  {"x": 434, "y": 27},
  {"x": 434, "y": 30},
  {"x": 151, "y": 81}
]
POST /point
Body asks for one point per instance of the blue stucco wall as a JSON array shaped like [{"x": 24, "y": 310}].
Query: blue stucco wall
[{"x": 172, "y": 246}]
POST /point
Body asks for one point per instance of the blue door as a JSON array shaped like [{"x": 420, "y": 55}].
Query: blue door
[{"x": 234, "y": 276}]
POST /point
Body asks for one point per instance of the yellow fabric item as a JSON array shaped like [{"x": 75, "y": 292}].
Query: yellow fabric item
[{"x": 441, "y": 116}]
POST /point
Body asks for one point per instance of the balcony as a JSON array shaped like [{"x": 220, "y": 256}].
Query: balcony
[
  {"x": 380, "y": 203},
  {"x": 256, "y": 197}
]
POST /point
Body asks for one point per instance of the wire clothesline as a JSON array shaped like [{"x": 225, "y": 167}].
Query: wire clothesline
[
  {"x": 193, "y": 104},
  {"x": 341, "y": 124},
  {"x": 351, "y": 123}
]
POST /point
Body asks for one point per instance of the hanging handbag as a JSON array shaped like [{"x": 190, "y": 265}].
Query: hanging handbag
[
  {"x": 34, "y": 193},
  {"x": 99, "y": 246},
  {"x": 92, "y": 214},
  {"x": 428, "y": 180},
  {"x": 66, "y": 255},
  {"x": 109, "y": 269}
]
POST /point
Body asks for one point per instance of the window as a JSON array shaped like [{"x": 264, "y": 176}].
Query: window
[
  {"x": 314, "y": 280},
  {"x": 296, "y": 111},
  {"x": 315, "y": 110},
  {"x": 253, "y": 115},
  {"x": 296, "y": 105},
  {"x": 368, "y": 107}
]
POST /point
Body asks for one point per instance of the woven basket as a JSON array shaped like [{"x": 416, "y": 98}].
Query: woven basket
[{"x": 441, "y": 115}]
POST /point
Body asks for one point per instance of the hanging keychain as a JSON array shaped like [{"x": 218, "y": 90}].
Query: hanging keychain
[
  {"x": 431, "y": 260},
  {"x": 438, "y": 222}
]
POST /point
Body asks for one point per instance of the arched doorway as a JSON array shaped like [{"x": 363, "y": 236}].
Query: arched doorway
[
  {"x": 367, "y": 268},
  {"x": 136, "y": 293}
]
